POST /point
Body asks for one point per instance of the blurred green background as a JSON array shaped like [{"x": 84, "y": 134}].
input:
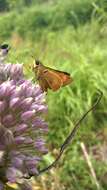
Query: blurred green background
[{"x": 69, "y": 35}]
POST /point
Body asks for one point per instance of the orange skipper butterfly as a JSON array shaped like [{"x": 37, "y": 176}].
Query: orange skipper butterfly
[{"x": 50, "y": 78}]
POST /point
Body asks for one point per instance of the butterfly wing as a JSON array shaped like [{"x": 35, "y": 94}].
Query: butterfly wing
[
  {"x": 65, "y": 77},
  {"x": 52, "y": 78},
  {"x": 43, "y": 84}
]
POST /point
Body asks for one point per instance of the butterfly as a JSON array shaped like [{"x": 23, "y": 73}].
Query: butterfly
[{"x": 50, "y": 78}]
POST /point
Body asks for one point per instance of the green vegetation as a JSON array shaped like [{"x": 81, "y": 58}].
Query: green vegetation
[
  {"x": 70, "y": 36},
  {"x": 32, "y": 22}
]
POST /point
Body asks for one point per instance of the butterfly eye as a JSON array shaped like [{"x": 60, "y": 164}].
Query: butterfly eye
[{"x": 37, "y": 62}]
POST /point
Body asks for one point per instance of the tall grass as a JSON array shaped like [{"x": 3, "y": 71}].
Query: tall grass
[{"x": 32, "y": 22}]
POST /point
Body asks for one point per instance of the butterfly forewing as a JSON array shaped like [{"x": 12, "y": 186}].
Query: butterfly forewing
[
  {"x": 53, "y": 80},
  {"x": 65, "y": 77}
]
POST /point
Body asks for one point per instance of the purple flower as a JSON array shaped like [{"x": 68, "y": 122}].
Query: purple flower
[
  {"x": 16, "y": 72},
  {"x": 2, "y": 105},
  {"x": 22, "y": 129},
  {"x": 28, "y": 115}
]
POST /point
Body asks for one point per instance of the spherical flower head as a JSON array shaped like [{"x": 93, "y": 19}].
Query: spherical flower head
[{"x": 22, "y": 127}]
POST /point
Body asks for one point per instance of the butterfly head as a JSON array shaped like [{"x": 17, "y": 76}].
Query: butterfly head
[{"x": 36, "y": 64}]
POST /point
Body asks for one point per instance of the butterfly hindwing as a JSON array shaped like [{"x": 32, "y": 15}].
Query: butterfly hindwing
[{"x": 44, "y": 85}]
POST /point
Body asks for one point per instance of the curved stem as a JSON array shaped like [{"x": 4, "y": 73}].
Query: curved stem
[{"x": 70, "y": 136}]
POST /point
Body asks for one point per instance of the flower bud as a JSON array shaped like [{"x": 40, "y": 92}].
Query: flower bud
[
  {"x": 40, "y": 145},
  {"x": 28, "y": 140},
  {"x": 6, "y": 138},
  {"x": 26, "y": 116},
  {"x": 16, "y": 72},
  {"x": 19, "y": 140},
  {"x": 40, "y": 98},
  {"x": 26, "y": 103},
  {"x": 15, "y": 103},
  {"x": 6, "y": 89},
  {"x": 2, "y": 106},
  {"x": 17, "y": 162},
  {"x": 8, "y": 120},
  {"x": 12, "y": 174},
  {"x": 26, "y": 88},
  {"x": 9, "y": 138},
  {"x": 36, "y": 91},
  {"x": 20, "y": 129},
  {"x": 38, "y": 108}
]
